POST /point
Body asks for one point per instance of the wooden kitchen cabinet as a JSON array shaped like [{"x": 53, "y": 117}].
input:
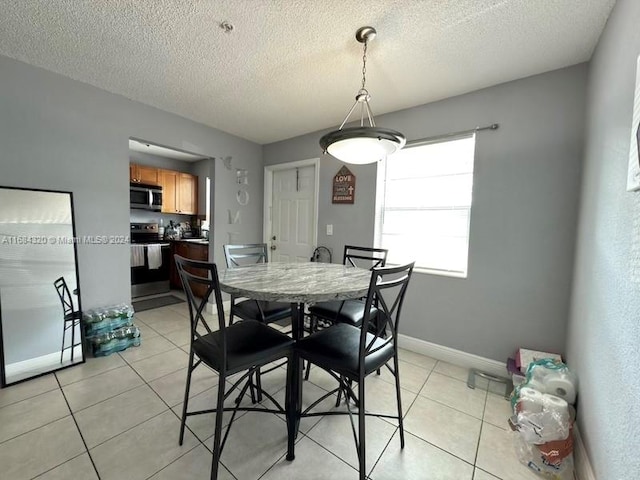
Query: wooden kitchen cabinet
[
  {"x": 144, "y": 174},
  {"x": 188, "y": 198},
  {"x": 192, "y": 251},
  {"x": 169, "y": 182},
  {"x": 179, "y": 192}
]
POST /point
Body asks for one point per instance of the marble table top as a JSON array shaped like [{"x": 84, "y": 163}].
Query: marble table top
[{"x": 296, "y": 282}]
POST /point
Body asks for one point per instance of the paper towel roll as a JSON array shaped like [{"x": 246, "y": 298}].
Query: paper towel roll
[
  {"x": 539, "y": 372},
  {"x": 555, "y": 404},
  {"x": 529, "y": 392},
  {"x": 531, "y": 401},
  {"x": 529, "y": 406},
  {"x": 536, "y": 384},
  {"x": 561, "y": 385}
]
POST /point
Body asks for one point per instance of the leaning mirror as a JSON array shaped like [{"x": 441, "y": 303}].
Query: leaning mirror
[{"x": 40, "y": 312}]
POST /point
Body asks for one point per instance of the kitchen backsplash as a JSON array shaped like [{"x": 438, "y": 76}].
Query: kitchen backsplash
[{"x": 145, "y": 216}]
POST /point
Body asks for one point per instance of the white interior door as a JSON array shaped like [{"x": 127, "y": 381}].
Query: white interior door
[{"x": 293, "y": 214}]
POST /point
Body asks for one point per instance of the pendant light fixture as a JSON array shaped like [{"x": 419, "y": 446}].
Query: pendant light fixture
[{"x": 360, "y": 145}]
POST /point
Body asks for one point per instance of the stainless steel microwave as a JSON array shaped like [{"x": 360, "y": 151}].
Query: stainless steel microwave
[{"x": 145, "y": 197}]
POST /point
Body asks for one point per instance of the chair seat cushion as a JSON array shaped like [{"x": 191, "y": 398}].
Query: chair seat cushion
[
  {"x": 348, "y": 311},
  {"x": 249, "y": 343},
  {"x": 337, "y": 348},
  {"x": 273, "y": 311}
]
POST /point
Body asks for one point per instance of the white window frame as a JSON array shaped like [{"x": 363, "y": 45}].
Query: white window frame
[{"x": 381, "y": 193}]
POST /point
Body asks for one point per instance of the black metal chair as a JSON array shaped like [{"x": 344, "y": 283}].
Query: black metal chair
[
  {"x": 262, "y": 311},
  {"x": 258, "y": 310},
  {"x": 350, "y": 353},
  {"x": 244, "y": 346},
  {"x": 349, "y": 311},
  {"x": 72, "y": 317}
]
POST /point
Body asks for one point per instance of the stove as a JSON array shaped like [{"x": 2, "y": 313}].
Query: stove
[
  {"x": 145, "y": 233},
  {"x": 150, "y": 260}
]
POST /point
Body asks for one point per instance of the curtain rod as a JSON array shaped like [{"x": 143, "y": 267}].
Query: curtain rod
[{"x": 435, "y": 138}]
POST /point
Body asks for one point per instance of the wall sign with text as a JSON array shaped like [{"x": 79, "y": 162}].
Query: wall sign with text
[{"x": 344, "y": 186}]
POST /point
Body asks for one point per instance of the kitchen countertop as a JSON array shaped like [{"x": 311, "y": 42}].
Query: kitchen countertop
[{"x": 197, "y": 241}]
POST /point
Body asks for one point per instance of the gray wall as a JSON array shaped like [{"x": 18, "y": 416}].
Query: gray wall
[
  {"x": 525, "y": 198},
  {"x": 161, "y": 162},
  {"x": 604, "y": 325},
  {"x": 57, "y": 133}
]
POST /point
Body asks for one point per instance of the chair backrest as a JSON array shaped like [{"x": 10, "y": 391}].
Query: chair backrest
[
  {"x": 190, "y": 275},
  {"x": 65, "y": 296},
  {"x": 364, "y": 257},
  {"x": 321, "y": 255},
  {"x": 387, "y": 289},
  {"x": 246, "y": 254}
]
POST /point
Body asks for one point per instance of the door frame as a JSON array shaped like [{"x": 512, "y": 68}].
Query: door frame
[{"x": 268, "y": 194}]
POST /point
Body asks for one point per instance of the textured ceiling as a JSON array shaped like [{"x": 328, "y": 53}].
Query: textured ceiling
[{"x": 293, "y": 66}]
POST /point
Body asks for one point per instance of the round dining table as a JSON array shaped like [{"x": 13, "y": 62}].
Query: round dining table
[{"x": 299, "y": 284}]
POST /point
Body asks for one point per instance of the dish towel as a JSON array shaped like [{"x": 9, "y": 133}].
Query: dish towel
[
  {"x": 154, "y": 256},
  {"x": 137, "y": 255}
]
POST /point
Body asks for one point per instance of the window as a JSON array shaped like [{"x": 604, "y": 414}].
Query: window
[
  {"x": 424, "y": 203},
  {"x": 205, "y": 223}
]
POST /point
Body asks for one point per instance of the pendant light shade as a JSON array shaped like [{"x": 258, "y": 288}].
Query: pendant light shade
[{"x": 360, "y": 145}]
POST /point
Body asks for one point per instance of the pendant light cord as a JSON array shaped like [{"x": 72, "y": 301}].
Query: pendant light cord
[{"x": 364, "y": 65}]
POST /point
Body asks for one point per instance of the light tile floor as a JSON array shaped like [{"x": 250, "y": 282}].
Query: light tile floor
[{"x": 117, "y": 417}]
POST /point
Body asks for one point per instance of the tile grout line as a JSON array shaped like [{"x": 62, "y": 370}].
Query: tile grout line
[
  {"x": 170, "y": 409},
  {"x": 89, "y": 376},
  {"x": 32, "y": 396},
  {"x": 375, "y": 464},
  {"x": 302, "y": 435},
  {"x": 475, "y": 459},
  {"x": 40, "y": 426},
  {"x": 423, "y": 439},
  {"x": 61, "y": 464},
  {"x": 78, "y": 429},
  {"x": 161, "y": 399},
  {"x": 104, "y": 399}
]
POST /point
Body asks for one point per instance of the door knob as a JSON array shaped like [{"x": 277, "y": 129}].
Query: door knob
[{"x": 273, "y": 247}]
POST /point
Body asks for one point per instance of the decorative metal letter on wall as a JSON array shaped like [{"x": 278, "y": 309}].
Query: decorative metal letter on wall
[{"x": 344, "y": 186}]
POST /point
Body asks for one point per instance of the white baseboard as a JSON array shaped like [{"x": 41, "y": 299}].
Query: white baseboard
[
  {"x": 584, "y": 470},
  {"x": 451, "y": 355}
]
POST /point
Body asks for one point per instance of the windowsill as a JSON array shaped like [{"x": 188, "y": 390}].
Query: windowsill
[{"x": 440, "y": 273}]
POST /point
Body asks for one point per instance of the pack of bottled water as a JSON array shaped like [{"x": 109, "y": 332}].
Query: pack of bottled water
[
  {"x": 110, "y": 329},
  {"x": 115, "y": 341},
  {"x": 106, "y": 319}
]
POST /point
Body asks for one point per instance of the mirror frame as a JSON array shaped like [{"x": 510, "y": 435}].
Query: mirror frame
[{"x": 3, "y": 380}]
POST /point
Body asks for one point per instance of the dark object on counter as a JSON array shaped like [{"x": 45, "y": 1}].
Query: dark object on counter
[{"x": 172, "y": 232}]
